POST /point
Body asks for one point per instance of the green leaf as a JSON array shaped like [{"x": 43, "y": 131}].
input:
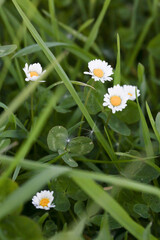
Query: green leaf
[
  {"x": 19, "y": 134},
  {"x": 79, "y": 208},
  {"x": 130, "y": 114},
  {"x": 139, "y": 171},
  {"x": 116, "y": 124},
  {"x": 7, "y": 49},
  {"x": 19, "y": 227},
  {"x": 57, "y": 138},
  {"x": 154, "y": 47},
  {"x": 61, "y": 201},
  {"x": 142, "y": 210},
  {"x": 80, "y": 145},
  {"x": 152, "y": 201},
  {"x": 68, "y": 159},
  {"x": 94, "y": 98},
  {"x": 49, "y": 228}
]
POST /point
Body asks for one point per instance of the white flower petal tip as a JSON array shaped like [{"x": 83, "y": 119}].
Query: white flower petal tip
[
  {"x": 131, "y": 92},
  {"x": 33, "y": 72},
  {"x": 100, "y": 70},
  {"x": 43, "y": 200},
  {"x": 115, "y": 99}
]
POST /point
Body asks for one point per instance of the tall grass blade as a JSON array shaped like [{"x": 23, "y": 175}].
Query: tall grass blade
[
  {"x": 94, "y": 32},
  {"x": 117, "y": 74}
]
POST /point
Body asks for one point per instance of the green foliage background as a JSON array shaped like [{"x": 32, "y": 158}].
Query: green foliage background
[{"x": 103, "y": 169}]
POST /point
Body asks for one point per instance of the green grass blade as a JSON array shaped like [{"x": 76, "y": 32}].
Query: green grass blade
[
  {"x": 146, "y": 135},
  {"x": 94, "y": 32},
  {"x": 147, "y": 231},
  {"x": 104, "y": 229},
  {"x": 113, "y": 180},
  {"x": 152, "y": 122},
  {"x": 117, "y": 74},
  {"x": 53, "y": 19},
  {"x": 85, "y": 25}
]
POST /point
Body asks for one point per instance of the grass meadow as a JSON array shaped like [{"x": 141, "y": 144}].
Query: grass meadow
[{"x": 79, "y": 152}]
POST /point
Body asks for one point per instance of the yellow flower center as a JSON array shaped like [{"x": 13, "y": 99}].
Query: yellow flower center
[
  {"x": 115, "y": 100},
  {"x": 98, "y": 72},
  {"x": 33, "y": 74},
  {"x": 130, "y": 94},
  {"x": 44, "y": 202}
]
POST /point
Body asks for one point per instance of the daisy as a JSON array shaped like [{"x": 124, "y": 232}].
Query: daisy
[
  {"x": 33, "y": 72},
  {"x": 115, "y": 99},
  {"x": 100, "y": 70},
  {"x": 131, "y": 92},
  {"x": 43, "y": 200}
]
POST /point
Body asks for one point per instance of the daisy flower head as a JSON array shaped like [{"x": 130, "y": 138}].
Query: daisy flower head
[
  {"x": 100, "y": 70},
  {"x": 131, "y": 92},
  {"x": 115, "y": 99},
  {"x": 33, "y": 72},
  {"x": 43, "y": 200}
]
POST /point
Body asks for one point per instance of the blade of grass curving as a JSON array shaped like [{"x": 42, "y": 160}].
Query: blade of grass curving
[
  {"x": 113, "y": 180},
  {"x": 66, "y": 81},
  {"x": 94, "y": 32},
  {"x": 117, "y": 74},
  {"x": 73, "y": 82},
  {"x": 73, "y": 48},
  {"x": 85, "y": 25},
  {"x": 53, "y": 19},
  {"x": 152, "y": 122},
  {"x": 104, "y": 200},
  {"x": 33, "y": 134}
]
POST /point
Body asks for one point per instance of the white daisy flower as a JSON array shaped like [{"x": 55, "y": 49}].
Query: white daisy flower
[
  {"x": 131, "y": 92},
  {"x": 43, "y": 200},
  {"x": 33, "y": 71},
  {"x": 115, "y": 99},
  {"x": 100, "y": 70}
]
